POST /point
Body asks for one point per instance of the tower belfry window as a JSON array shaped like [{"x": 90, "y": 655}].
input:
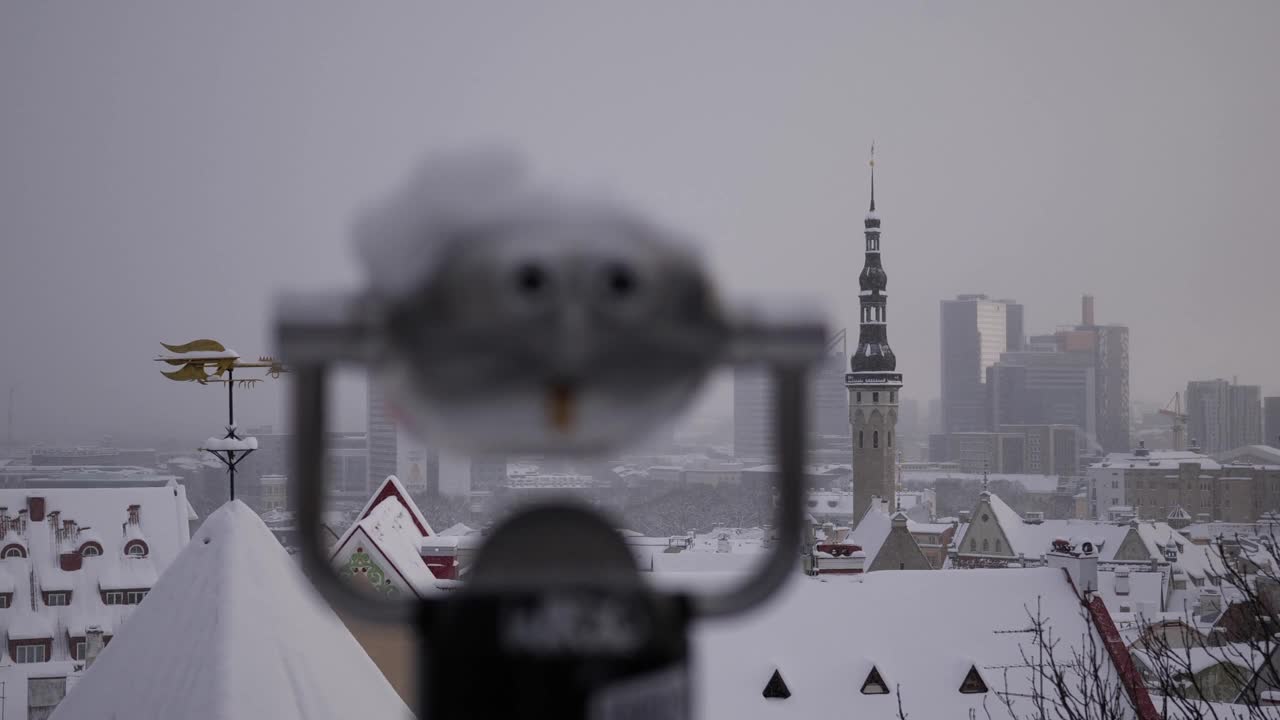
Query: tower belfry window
[
  {"x": 973, "y": 682},
  {"x": 874, "y": 684},
  {"x": 777, "y": 687},
  {"x": 860, "y": 443},
  {"x": 875, "y": 438}
]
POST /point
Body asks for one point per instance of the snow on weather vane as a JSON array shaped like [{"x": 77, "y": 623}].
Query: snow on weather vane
[{"x": 208, "y": 361}]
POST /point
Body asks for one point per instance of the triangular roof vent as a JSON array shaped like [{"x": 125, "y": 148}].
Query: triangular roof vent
[
  {"x": 874, "y": 684},
  {"x": 776, "y": 687},
  {"x": 973, "y": 682}
]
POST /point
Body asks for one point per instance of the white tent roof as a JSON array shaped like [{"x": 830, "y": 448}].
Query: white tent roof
[{"x": 232, "y": 629}]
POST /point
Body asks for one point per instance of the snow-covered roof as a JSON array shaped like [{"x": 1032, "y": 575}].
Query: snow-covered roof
[
  {"x": 825, "y": 636},
  {"x": 1033, "y": 483},
  {"x": 456, "y": 529},
  {"x": 100, "y": 515},
  {"x": 390, "y": 525},
  {"x": 1035, "y": 539},
  {"x": 1155, "y": 459},
  {"x": 255, "y": 641}
]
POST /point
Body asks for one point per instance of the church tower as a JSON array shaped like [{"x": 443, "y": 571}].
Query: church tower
[{"x": 873, "y": 383}]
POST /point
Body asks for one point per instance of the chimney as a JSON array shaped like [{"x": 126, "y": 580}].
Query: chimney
[
  {"x": 53, "y": 520},
  {"x": 1086, "y": 311},
  {"x": 963, "y": 517},
  {"x": 135, "y": 514},
  {"x": 35, "y": 508},
  {"x": 1081, "y": 564},
  {"x": 93, "y": 643},
  {"x": 70, "y": 560},
  {"x": 1209, "y": 604},
  {"x": 4, "y": 522},
  {"x": 1122, "y": 581}
]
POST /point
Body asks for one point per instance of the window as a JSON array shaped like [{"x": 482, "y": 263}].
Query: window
[
  {"x": 874, "y": 684},
  {"x": 973, "y": 545},
  {"x": 890, "y": 438},
  {"x": 77, "y": 650},
  {"x": 1115, "y": 484},
  {"x": 859, "y": 394},
  {"x": 776, "y": 687},
  {"x": 986, "y": 544},
  {"x": 4, "y": 600},
  {"x": 893, "y": 396},
  {"x": 973, "y": 682},
  {"x": 55, "y": 599},
  {"x": 875, "y": 438},
  {"x": 115, "y": 597},
  {"x": 133, "y": 597},
  {"x": 13, "y": 551},
  {"x": 875, "y": 397},
  {"x": 997, "y": 544},
  {"x": 860, "y": 439},
  {"x": 90, "y": 551},
  {"x": 31, "y": 653},
  {"x": 137, "y": 550}
]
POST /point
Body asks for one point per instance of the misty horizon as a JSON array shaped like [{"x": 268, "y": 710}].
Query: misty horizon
[{"x": 169, "y": 170}]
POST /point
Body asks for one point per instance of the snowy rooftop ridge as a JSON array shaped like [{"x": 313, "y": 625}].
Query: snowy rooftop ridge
[{"x": 256, "y": 641}]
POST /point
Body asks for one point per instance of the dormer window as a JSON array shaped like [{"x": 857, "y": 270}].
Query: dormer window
[
  {"x": 874, "y": 684},
  {"x": 973, "y": 682},
  {"x": 776, "y": 687},
  {"x": 57, "y": 599},
  {"x": 31, "y": 652},
  {"x": 136, "y": 548},
  {"x": 90, "y": 549},
  {"x": 113, "y": 597},
  {"x": 13, "y": 551}
]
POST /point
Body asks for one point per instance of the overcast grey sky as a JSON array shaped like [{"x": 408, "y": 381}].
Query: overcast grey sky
[{"x": 166, "y": 167}]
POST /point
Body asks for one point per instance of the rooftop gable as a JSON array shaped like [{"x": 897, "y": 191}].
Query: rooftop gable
[{"x": 256, "y": 641}]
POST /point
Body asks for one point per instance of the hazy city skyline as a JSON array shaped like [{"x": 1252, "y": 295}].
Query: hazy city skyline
[{"x": 168, "y": 170}]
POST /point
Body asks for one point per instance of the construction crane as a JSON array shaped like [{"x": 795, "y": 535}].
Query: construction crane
[{"x": 1179, "y": 420}]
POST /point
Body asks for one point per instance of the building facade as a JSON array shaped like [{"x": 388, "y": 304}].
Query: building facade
[
  {"x": 1271, "y": 421},
  {"x": 976, "y": 330},
  {"x": 753, "y": 404},
  {"x": 381, "y": 437},
  {"x": 1151, "y": 484},
  {"x": 873, "y": 384},
  {"x": 1223, "y": 416}
]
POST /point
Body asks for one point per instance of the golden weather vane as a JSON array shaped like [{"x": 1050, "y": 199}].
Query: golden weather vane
[{"x": 207, "y": 361}]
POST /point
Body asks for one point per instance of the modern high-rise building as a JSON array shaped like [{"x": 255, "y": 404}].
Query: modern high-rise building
[
  {"x": 1223, "y": 416},
  {"x": 1107, "y": 347},
  {"x": 1043, "y": 388},
  {"x": 753, "y": 416},
  {"x": 873, "y": 384},
  {"x": 976, "y": 330},
  {"x": 1244, "y": 426},
  {"x": 1271, "y": 421},
  {"x": 1208, "y": 407},
  {"x": 381, "y": 438}
]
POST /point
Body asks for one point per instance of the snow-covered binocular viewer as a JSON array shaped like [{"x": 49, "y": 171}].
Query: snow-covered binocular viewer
[{"x": 498, "y": 317}]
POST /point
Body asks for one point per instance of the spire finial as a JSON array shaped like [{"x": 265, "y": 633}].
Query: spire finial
[{"x": 873, "y": 176}]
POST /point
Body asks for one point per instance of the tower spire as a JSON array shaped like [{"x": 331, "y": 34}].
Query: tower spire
[
  {"x": 874, "y": 381},
  {"x": 873, "y": 176}
]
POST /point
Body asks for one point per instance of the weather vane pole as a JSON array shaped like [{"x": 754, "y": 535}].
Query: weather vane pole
[{"x": 204, "y": 362}]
